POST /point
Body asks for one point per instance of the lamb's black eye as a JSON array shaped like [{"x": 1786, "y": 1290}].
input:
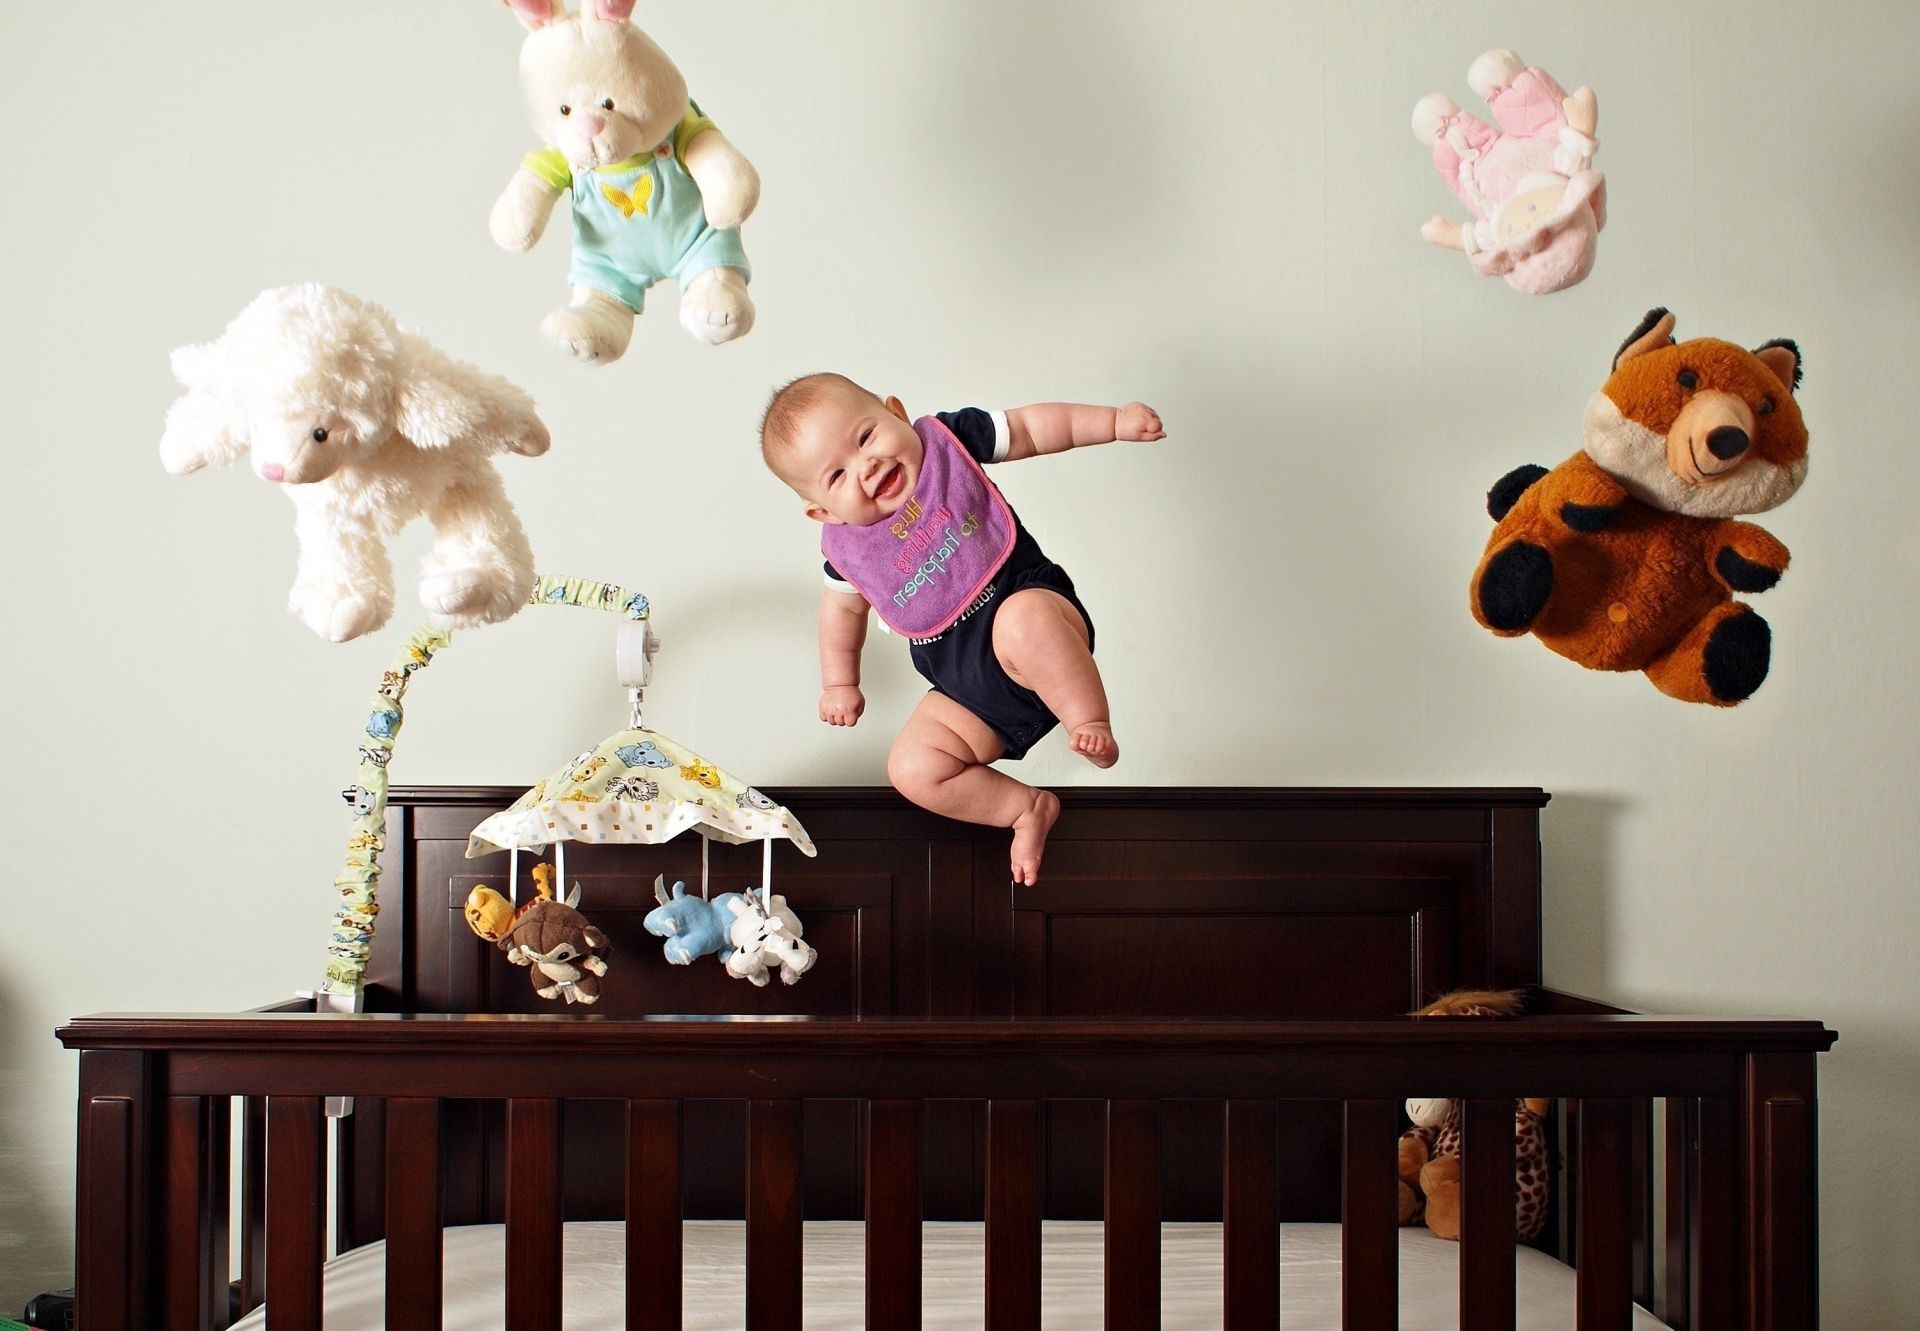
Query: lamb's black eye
[
  {"x": 1687, "y": 379},
  {"x": 607, "y": 105},
  {"x": 566, "y": 110},
  {"x": 319, "y": 434},
  {"x": 1766, "y": 406}
]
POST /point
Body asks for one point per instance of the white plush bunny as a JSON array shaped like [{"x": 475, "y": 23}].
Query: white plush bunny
[
  {"x": 364, "y": 428},
  {"x": 657, "y": 191}
]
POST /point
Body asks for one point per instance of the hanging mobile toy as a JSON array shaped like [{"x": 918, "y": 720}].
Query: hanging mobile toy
[{"x": 638, "y": 787}]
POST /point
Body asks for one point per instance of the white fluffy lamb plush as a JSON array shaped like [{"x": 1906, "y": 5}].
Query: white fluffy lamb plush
[{"x": 365, "y": 428}]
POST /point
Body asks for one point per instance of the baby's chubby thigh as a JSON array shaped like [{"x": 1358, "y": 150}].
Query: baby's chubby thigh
[{"x": 1037, "y": 634}]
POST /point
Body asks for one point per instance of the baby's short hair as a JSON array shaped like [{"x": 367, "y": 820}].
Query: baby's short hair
[{"x": 789, "y": 406}]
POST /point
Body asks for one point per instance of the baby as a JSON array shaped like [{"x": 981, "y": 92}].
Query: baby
[{"x": 912, "y": 527}]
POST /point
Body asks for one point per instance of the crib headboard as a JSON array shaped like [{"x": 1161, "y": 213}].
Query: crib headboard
[{"x": 1154, "y": 903}]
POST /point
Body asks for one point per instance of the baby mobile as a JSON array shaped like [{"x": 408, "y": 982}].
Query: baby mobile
[{"x": 637, "y": 787}]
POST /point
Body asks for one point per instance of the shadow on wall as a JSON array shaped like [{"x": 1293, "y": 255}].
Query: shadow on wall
[
  {"x": 1577, "y": 868},
  {"x": 35, "y": 1240}
]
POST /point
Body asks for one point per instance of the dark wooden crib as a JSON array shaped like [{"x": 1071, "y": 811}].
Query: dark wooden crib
[{"x": 1196, "y": 1016}]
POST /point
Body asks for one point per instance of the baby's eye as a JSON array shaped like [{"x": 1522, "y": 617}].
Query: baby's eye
[
  {"x": 866, "y": 434},
  {"x": 835, "y": 478}
]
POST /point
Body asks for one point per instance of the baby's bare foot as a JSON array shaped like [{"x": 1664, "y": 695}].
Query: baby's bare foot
[
  {"x": 1095, "y": 742},
  {"x": 1030, "y": 836}
]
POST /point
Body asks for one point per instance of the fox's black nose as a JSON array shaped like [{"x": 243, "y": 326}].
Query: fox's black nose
[{"x": 1728, "y": 442}]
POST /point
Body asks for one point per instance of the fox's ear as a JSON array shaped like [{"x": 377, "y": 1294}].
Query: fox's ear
[
  {"x": 1655, "y": 332},
  {"x": 1782, "y": 356}
]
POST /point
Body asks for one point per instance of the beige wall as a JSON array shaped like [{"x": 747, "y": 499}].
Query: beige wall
[{"x": 1212, "y": 207}]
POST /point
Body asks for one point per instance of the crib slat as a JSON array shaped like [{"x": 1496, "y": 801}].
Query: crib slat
[
  {"x": 533, "y": 1215},
  {"x": 186, "y": 1237},
  {"x": 1013, "y": 1215},
  {"x": 655, "y": 1263},
  {"x": 1370, "y": 1218},
  {"x": 1487, "y": 1216},
  {"x": 1717, "y": 1297},
  {"x": 414, "y": 1248},
  {"x": 1252, "y": 1239},
  {"x": 773, "y": 1215},
  {"x": 1133, "y": 1215},
  {"x": 217, "y": 1199},
  {"x": 1604, "y": 1270},
  {"x": 893, "y": 1214},
  {"x": 253, "y": 1203},
  {"x": 1676, "y": 1253},
  {"x": 296, "y": 1211}
]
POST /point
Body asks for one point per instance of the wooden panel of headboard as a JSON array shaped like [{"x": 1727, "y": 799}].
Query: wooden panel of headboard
[{"x": 1156, "y": 903}]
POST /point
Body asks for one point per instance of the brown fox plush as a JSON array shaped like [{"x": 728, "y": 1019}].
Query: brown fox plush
[
  {"x": 1626, "y": 556},
  {"x": 1430, "y": 1149}
]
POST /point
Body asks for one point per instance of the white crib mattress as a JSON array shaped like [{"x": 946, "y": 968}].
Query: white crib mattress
[{"x": 953, "y": 1268}]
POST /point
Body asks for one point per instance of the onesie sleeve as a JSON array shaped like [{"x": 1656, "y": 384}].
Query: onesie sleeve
[
  {"x": 836, "y": 583},
  {"x": 985, "y": 434},
  {"x": 550, "y": 164}
]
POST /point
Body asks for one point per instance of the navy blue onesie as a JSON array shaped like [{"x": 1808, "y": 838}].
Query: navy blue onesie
[{"x": 960, "y": 663}]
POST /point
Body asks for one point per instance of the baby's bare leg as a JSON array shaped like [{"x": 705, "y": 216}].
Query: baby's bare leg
[
  {"x": 940, "y": 763},
  {"x": 1041, "y": 641}
]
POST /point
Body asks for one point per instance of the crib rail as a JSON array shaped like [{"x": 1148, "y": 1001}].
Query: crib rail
[{"x": 157, "y": 1098}]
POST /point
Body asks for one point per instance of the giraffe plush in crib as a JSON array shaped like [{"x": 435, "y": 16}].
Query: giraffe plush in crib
[{"x": 1430, "y": 1149}]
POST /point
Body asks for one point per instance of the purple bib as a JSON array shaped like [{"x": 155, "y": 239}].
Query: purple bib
[{"x": 922, "y": 567}]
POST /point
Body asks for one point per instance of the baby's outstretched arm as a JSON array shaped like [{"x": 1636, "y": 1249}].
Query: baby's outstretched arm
[
  {"x": 1054, "y": 427},
  {"x": 843, "y": 631}
]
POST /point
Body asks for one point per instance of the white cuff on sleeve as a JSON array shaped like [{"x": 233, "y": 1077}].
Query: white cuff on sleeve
[{"x": 1002, "y": 436}]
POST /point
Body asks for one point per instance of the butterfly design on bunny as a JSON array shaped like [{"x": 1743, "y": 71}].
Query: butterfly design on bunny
[{"x": 656, "y": 189}]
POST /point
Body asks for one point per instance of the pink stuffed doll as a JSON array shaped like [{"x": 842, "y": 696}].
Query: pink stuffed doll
[{"x": 1528, "y": 178}]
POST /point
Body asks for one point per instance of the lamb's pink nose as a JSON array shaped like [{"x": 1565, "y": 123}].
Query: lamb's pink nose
[
  {"x": 588, "y": 126},
  {"x": 273, "y": 471}
]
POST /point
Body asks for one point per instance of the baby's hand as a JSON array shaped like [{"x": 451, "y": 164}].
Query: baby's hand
[
  {"x": 842, "y": 705},
  {"x": 1137, "y": 423}
]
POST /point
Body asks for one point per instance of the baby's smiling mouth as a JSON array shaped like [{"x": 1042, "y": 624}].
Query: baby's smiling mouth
[{"x": 891, "y": 482}]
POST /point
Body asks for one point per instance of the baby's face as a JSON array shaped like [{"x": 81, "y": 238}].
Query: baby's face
[{"x": 854, "y": 458}]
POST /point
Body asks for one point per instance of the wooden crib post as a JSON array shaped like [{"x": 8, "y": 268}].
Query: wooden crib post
[
  {"x": 1013, "y": 1215},
  {"x": 1487, "y": 1296},
  {"x": 113, "y": 1275},
  {"x": 533, "y": 1215},
  {"x": 296, "y": 1210},
  {"x": 893, "y": 1215},
  {"x": 1133, "y": 1215},
  {"x": 655, "y": 1257},
  {"x": 415, "y": 1249},
  {"x": 1778, "y": 1136},
  {"x": 773, "y": 1215},
  {"x": 1370, "y": 1218},
  {"x": 1251, "y": 1243}
]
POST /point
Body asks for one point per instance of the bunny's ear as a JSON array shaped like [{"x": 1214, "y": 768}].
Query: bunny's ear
[
  {"x": 614, "y": 11},
  {"x": 538, "y": 13}
]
